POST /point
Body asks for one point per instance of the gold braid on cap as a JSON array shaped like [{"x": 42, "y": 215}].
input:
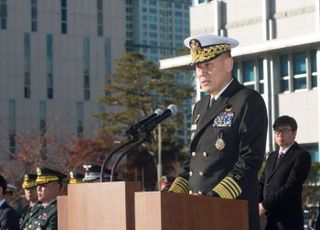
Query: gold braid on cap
[
  {"x": 201, "y": 54},
  {"x": 46, "y": 179},
  {"x": 28, "y": 184}
]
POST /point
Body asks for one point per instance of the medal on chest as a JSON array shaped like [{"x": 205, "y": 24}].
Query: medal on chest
[{"x": 220, "y": 144}]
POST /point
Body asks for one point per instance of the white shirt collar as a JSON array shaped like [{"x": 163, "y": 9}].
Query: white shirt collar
[
  {"x": 285, "y": 150},
  {"x": 221, "y": 91}
]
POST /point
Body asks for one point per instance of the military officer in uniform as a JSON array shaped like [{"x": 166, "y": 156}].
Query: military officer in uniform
[
  {"x": 30, "y": 192},
  {"x": 49, "y": 186},
  {"x": 228, "y": 131}
]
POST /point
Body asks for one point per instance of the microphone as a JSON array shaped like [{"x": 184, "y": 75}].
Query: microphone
[
  {"x": 133, "y": 130},
  {"x": 171, "y": 110}
]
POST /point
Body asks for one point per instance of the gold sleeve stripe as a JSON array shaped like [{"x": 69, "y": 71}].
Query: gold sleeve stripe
[
  {"x": 227, "y": 186},
  {"x": 234, "y": 185},
  {"x": 222, "y": 192},
  {"x": 180, "y": 185}
]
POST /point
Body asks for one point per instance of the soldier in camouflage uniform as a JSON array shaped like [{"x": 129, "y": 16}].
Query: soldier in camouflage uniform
[{"x": 30, "y": 192}]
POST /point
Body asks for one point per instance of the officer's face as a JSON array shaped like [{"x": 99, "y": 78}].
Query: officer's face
[
  {"x": 31, "y": 194},
  {"x": 284, "y": 136},
  {"x": 48, "y": 192},
  {"x": 215, "y": 74}
]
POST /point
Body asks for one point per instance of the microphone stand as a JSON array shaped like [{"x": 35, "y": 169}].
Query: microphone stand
[
  {"x": 108, "y": 157},
  {"x": 145, "y": 136}
]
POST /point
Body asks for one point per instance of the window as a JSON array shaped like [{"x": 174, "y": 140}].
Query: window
[
  {"x": 248, "y": 74},
  {"x": 100, "y": 17},
  {"x": 260, "y": 75},
  {"x": 86, "y": 68},
  {"x": 64, "y": 16},
  {"x": 3, "y": 14},
  {"x": 27, "y": 66},
  {"x": 107, "y": 59},
  {"x": 79, "y": 118},
  {"x": 314, "y": 81},
  {"x": 235, "y": 71},
  {"x": 12, "y": 126},
  {"x": 49, "y": 66},
  {"x": 299, "y": 71},
  {"x": 34, "y": 15},
  {"x": 43, "y": 117},
  {"x": 284, "y": 73}
]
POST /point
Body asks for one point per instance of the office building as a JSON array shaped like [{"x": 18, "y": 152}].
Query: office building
[{"x": 279, "y": 56}]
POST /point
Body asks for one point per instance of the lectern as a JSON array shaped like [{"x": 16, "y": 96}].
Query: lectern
[
  {"x": 98, "y": 206},
  {"x": 170, "y": 211}
]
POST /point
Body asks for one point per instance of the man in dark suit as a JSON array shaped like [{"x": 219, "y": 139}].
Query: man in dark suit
[
  {"x": 280, "y": 186},
  {"x": 49, "y": 186},
  {"x": 228, "y": 131},
  {"x": 8, "y": 218}
]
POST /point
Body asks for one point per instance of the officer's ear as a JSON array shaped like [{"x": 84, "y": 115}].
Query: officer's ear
[{"x": 228, "y": 62}]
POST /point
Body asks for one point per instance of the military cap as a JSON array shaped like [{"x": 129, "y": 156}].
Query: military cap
[
  {"x": 29, "y": 180},
  {"x": 75, "y": 177},
  {"x": 46, "y": 175},
  {"x": 3, "y": 183},
  {"x": 93, "y": 173},
  {"x": 206, "y": 47}
]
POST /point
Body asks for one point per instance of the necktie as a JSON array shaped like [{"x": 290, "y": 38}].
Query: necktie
[
  {"x": 280, "y": 155},
  {"x": 212, "y": 100}
]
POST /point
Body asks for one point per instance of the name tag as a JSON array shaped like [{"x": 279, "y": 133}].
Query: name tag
[
  {"x": 193, "y": 127},
  {"x": 223, "y": 119}
]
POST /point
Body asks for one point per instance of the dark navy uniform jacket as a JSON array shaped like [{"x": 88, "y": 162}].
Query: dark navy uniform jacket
[
  {"x": 280, "y": 187},
  {"x": 228, "y": 147}
]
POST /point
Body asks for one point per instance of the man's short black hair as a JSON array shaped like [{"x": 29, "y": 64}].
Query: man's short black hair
[
  {"x": 3, "y": 183},
  {"x": 285, "y": 120}
]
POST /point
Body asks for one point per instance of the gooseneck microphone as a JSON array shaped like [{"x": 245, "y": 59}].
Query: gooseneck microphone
[
  {"x": 170, "y": 111},
  {"x": 133, "y": 130}
]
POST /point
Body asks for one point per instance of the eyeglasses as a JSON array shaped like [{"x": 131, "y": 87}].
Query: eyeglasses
[{"x": 283, "y": 131}]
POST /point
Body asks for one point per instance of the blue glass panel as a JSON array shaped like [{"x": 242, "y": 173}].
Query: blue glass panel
[
  {"x": 284, "y": 85},
  {"x": 314, "y": 81},
  {"x": 284, "y": 65},
  {"x": 300, "y": 83},
  {"x": 248, "y": 71},
  {"x": 313, "y": 61},
  {"x": 299, "y": 63}
]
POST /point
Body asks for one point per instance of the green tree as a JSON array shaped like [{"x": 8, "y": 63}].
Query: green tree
[{"x": 135, "y": 90}]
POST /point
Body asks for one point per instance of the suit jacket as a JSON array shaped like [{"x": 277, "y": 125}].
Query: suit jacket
[
  {"x": 228, "y": 146},
  {"x": 280, "y": 187},
  {"x": 45, "y": 218},
  {"x": 8, "y": 218}
]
